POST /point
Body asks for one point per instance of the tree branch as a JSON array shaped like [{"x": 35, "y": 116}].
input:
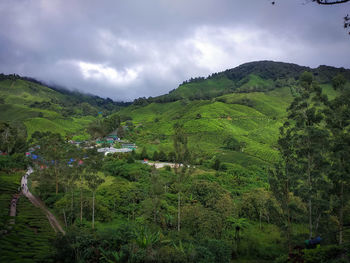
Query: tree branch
[{"x": 326, "y": 2}]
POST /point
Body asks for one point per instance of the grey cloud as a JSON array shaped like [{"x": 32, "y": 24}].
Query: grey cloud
[{"x": 127, "y": 49}]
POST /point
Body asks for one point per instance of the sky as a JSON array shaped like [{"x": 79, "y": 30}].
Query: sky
[{"x": 125, "y": 49}]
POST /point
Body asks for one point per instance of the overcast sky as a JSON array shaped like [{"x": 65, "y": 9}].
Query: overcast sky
[{"x": 124, "y": 49}]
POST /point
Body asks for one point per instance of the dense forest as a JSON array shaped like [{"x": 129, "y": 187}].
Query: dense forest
[{"x": 256, "y": 171}]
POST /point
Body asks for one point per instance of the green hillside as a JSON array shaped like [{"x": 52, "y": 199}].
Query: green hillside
[
  {"x": 247, "y": 103},
  {"x": 41, "y": 108},
  {"x": 232, "y": 204},
  {"x": 252, "y": 118},
  {"x": 249, "y": 77}
]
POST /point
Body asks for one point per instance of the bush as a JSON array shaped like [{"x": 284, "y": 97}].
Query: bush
[
  {"x": 170, "y": 254},
  {"x": 129, "y": 171},
  {"x": 220, "y": 250},
  {"x": 15, "y": 161},
  {"x": 327, "y": 254},
  {"x": 203, "y": 255},
  {"x": 232, "y": 144}
]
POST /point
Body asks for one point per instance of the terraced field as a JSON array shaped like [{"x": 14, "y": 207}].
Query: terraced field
[
  {"x": 253, "y": 118},
  {"x": 39, "y": 108},
  {"x": 29, "y": 239}
]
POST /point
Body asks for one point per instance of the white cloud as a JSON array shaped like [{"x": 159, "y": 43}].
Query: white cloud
[
  {"x": 102, "y": 72},
  {"x": 219, "y": 48}
]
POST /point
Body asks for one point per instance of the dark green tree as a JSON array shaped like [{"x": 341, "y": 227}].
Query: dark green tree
[
  {"x": 308, "y": 140},
  {"x": 338, "y": 123},
  {"x": 53, "y": 149},
  {"x": 144, "y": 154},
  {"x": 155, "y": 156},
  {"x": 8, "y": 135},
  {"x": 172, "y": 157},
  {"x": 162, "y": 156},
  {"x": 180, "y": 144},
  {"x": 182, "y": 159},
  {"x": 96, "y": 129},
  {"x": 94, "y": 181},
  {"x": 111, "y": 123},
  {"x": 216, "y": 165},
  {"x": 232, "y": 144},
  {"x": 120, "y": 132}
]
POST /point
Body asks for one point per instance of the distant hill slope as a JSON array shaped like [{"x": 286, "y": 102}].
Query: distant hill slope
[
  {"x": 209, "y": 123},
  {"x": 41, "y": 108},
  {"x": 248, "y": 77},
  {"x": 247, "y": 103}
]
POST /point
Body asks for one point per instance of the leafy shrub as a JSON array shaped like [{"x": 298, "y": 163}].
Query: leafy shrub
[
  {"x": 129, "y": 171},
  {"x": 15, "y": 161},
  {"x": 327, "y": 254},
  {"x": 220, "y": 250}
]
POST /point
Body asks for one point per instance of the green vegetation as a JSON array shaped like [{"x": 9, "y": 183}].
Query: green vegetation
[
  {"x": 255, "y": 126},
  {"x": 259, "y": 156},
  {"x": 42, "y": 108}
]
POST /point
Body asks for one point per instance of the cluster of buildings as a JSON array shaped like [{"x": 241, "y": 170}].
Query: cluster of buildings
[
  {"x": 127, "y": 147},
  {"x": 111, "y": 139}
]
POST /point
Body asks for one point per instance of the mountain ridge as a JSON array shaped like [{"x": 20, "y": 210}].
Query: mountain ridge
[
  {"x": 252, "y": 76},
  {"x": 248, "y": 107},
  {"x": 33, "y": 106}
]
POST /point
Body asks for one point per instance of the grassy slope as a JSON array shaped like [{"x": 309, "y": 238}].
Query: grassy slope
[
  {"x": 18, "y": 95},
  {"x": 257, "y": 125},
  {"x": 208, "y": 86},
  {"x": 25, "y": 92},
  {"x": 214, "y": 86},
  {"x": 253, "y": 118}
]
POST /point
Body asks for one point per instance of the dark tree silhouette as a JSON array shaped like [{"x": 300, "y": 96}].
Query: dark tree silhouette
[{"x": 332, "y": 2}]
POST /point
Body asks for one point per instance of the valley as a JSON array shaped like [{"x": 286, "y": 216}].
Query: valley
[{"x": 237, "y": 186}]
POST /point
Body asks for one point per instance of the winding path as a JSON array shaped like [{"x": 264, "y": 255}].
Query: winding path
[{"x": 38, "y": 203}]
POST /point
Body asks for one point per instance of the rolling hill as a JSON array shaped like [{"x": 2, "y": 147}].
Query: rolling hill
[
  {"x": 248, "y": 77},
  {"x": 247, "y": 103},
  {"x": 235, "y": 120},
  {"x": 39, "y": 107}
]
